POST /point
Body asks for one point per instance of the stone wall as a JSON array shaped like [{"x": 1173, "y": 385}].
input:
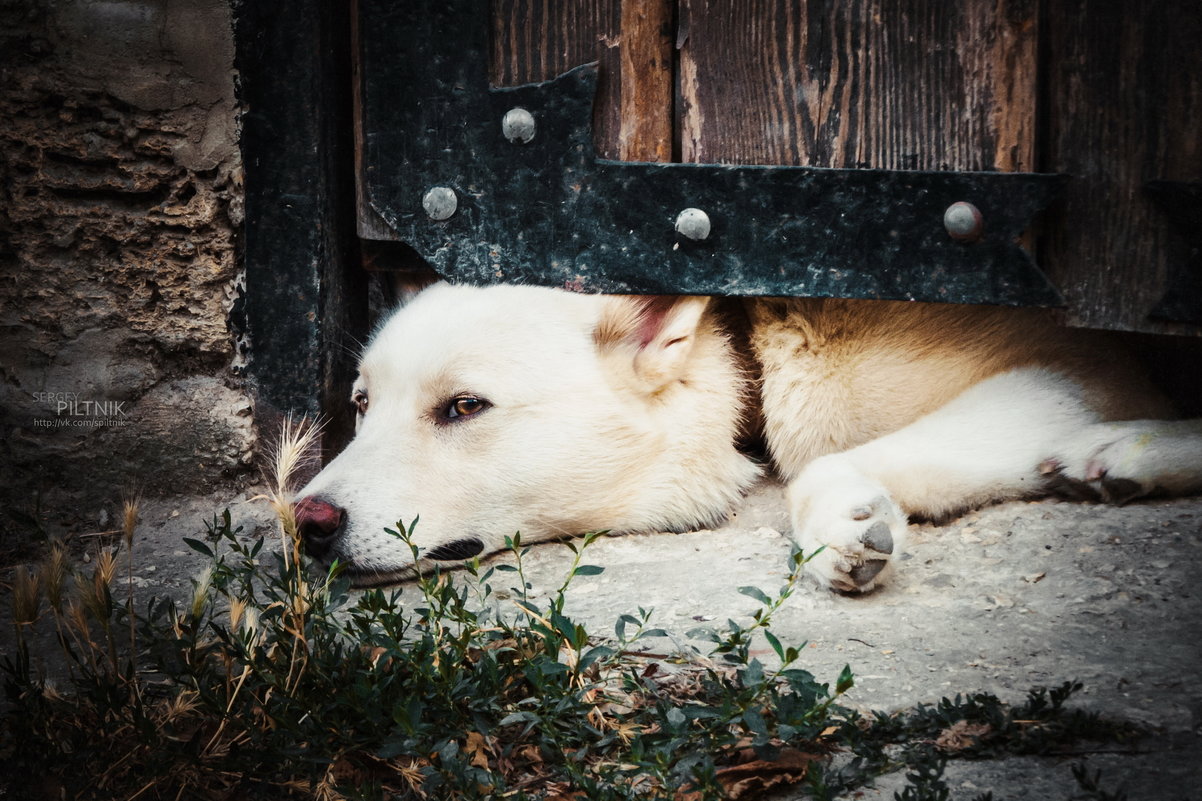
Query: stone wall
[{"x": 119, "y": 266}]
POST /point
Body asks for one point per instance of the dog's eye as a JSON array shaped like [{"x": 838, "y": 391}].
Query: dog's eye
[
  {"x": 464, "y": 406},
  {"x": 360, "y": 401}
]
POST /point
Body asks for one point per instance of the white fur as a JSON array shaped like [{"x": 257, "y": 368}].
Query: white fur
[
  {"x": 572, "y": 443},
  {"x": 622, "y": 414},
  {"x": 985, "y": 445}
]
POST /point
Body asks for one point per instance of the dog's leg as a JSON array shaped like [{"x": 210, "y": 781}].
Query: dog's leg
[
  {"x": 985, "y": 445},
  {"x": 1119, "y": 462}
]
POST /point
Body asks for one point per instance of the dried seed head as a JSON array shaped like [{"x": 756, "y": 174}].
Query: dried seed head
[
  {"x": 250, "y": 623},
  {"x": 302, "y": 598},
  {"x": 106, "y": 566},
  {"x": 93, "y": 595},
  {"x": 26, "y": 598},
  {"x": 201, "y": 585},
  {"x": 102, "y": 582},
  {"x": 237, "y": 609},
  {"x": 129, "y": 521},
  {"x": 50, "y": 691},
  {"x": 178, "y": 707},
  {"x": 75, "y": 615},
  {"x": 295, "y": 448},
  {"x": 54, "y": 573}
]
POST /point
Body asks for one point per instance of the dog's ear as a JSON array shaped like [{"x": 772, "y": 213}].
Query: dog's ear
[{"x": 653, "y": 334}]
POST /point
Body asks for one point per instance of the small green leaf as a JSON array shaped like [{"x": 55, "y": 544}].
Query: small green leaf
[
  {"x": 753, "y": 676},
  {"x": 755, "y": 721},
  {"x": 198, "y": 546},
  {"x": 593, "y": 654},
  {"x": 517, "y": 717},
  {"x": 527, "y": 607},
  {"x": 620, "y": 626},
  {"x": 775, "y": 643},
  {"x": 756, "y": 593},
  {"x": 588, "y": 570},
  {"x": 846, "y": 681},
  {"x": 391, "y": 750}
]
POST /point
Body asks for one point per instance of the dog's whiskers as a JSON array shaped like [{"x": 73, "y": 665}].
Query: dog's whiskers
[{"x": 559, "y": 532}]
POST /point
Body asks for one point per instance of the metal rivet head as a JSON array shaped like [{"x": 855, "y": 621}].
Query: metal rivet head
[
  {"x": 440, "y": 203},
  {"x": 963, "y": 221},
  {"x": 518, "y": 125},
  {"x": 693, "y": 223}
]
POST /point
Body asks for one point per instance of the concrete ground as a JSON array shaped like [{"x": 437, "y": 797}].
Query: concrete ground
[{"x": 1003, "y": 599}]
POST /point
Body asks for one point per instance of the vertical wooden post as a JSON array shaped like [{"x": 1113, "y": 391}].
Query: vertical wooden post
[
  {"x": 647, "y": 81},
  {"x": 305, "y": 296},
  {"x": 1124, "y": 86},
  {"x": 1015, "y": 85}
]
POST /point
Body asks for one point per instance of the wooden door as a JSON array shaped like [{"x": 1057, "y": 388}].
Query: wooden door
[{"x": 1108, "y": 93}]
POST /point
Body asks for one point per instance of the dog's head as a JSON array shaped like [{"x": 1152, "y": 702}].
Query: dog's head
[{"x": 488, "y": 412}]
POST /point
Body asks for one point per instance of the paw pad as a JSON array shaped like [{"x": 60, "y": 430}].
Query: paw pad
[
  {"x": 879, "y": 539},
  {"x": 863, "y": 573}
]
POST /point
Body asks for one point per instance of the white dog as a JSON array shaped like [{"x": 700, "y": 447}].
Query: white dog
[{"x": 492, "y": 411}]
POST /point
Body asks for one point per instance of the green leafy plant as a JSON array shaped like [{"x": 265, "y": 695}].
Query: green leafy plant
[{"x": 271, "y": 682}]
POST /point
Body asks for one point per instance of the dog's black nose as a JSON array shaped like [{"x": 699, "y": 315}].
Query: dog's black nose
[{"x": 319, "y": 524}]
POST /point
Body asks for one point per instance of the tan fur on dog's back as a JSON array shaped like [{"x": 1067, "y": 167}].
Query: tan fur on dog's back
[{"x": 839, "y": 373}]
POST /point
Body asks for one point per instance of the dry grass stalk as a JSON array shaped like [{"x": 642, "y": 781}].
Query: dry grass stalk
[
  {"x": 76, "y": 616},
  {"x": 178, "y": 707},
  {"x": 295, "y": 449},
  {"x": 201, "y": 587},
  {"x": 88, "y": 599},
  {"x": 129, "y": 520},
  {"x": 102, "y": 582},
  {"x": 129, "y": 523},
  {"x": 250, "y": 625},
  {"x": 237, "y": 610},
  {"x": 26, "y": 597},
  {"x": 54, "y": 573},
  {"x": 105, "y": 570}
]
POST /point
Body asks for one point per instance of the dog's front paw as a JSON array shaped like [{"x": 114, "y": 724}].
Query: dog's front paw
[{"x": 847, "y": 524}]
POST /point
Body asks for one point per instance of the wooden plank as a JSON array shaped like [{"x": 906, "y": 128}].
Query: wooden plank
[
  {"x": 305, "y": 297},
  {"x": 536, "y": 40},
  {"x": 647, "y": 82},
  {"x": 370, "y": 225},
  {"x": 1013, "y": 61},
  {"x": 893, "y": 84},
  {"x": 1124, "y": 107}
]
